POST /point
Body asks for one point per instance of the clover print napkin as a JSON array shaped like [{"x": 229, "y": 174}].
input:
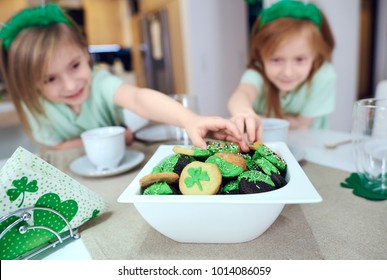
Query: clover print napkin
[{"x": 28, "y": 181}]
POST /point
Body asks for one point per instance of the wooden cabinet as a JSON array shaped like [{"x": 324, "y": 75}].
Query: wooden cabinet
[
  {"x": 9, "y": 8},
  {"x": 107, "y": 22}
]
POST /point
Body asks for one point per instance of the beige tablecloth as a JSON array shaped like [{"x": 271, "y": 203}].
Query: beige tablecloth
[{"x": 343, "y": 226}]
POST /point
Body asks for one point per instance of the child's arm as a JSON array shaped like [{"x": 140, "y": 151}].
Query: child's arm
[
  {"x": 240, "y": 106},
  {"x": 159, "y": 107},
  {"x": 77, "y": 142},
  {"x": 68, "y": 144}
]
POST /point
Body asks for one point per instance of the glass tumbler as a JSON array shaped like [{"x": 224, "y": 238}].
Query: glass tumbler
[
  {"x": 188, "y": 101},
  {"x": 369, "y": 138}
]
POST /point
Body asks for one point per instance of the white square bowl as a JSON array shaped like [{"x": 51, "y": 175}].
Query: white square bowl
[{"x": 219, "y": 218}]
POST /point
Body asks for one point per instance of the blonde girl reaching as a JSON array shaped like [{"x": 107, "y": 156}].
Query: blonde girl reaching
[
  {"x": 47, "y": 70},
  {"x": 289, "y": 72}
]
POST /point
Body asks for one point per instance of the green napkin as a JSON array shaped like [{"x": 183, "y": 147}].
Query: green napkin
[
  {"x": 357, "y": 182},
  {"x": 28, "y": 181}
]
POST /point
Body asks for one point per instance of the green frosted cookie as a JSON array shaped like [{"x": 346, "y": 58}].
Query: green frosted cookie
[
  {"x": 254, "y": 181},
  {"x": 217, "y": 146},
  {"x": 226, "y": 169},
  {"x": 158, "y": 188}
]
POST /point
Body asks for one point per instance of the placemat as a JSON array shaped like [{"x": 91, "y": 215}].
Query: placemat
[
  {"x": 344, "y": 225},
  {"x": 123, "y": 234}
]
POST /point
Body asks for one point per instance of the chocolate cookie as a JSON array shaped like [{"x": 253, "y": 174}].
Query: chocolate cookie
[
  {"x": 231, "y": 187},
  {"x": 174, "y": 163},
  {"x": 264, "y": 151},
  {"x": 158, "y": 188},
  {"x": 254, "y": 181}
]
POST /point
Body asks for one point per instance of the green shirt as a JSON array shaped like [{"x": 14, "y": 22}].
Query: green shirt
[
  {"x": 97, "y": 111},
  {"x": 316, "y": 100}
]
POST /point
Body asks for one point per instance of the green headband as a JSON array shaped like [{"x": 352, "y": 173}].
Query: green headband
[
  {"x": 30, "y": 17},
  {"x": 292, "y": 9}
]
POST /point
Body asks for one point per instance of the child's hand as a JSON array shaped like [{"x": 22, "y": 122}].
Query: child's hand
[
  {"x": 249, "y": 124},
  {"x": 214, "y": 127},
  {"x": 128, "y": 136}
]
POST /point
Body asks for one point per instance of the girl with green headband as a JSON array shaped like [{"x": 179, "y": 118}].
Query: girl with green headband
[
  {"x": 47, "y": 70},
  {"x": 289, "y": 72}
]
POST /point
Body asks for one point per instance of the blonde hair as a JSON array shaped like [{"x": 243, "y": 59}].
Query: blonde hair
[
  {"x": 268, "y": 38},
  {"x": 24, "y": 64}
]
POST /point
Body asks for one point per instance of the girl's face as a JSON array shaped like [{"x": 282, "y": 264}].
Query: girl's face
[
  {"x": 68, "y": 77},
  {"x": 290, "y": 64}
]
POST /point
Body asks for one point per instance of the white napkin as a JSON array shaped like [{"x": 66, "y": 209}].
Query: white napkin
[{"x": 28, "y": 181}]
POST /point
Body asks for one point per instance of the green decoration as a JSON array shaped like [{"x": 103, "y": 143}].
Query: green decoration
[
  {"x": 276, "y": 160},
  {"x": 21, "y": 187},
  {"x": 291, "y": 9},
  {"x": 363, "y": 187},
  {"x": 198, "y": 152},
  {"x": 68, "y": 209},
  {"x": 18, "y": 243},
  {"x": 158, "y": 188},
  {"x": 231, "y": 186},
  {"x": 226, "y": 169},
  {"x": 31, "y": 17},
  {"x": 167, "y": 165},
  {"x": 197, "y": 175},
  {"x": 217, "y": 146},
  {"x": 256, "y": 176},
  {"x": 266, "y": 166}
]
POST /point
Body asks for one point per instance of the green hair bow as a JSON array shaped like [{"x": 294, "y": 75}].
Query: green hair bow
[
  {"x": 292, "y": 9},
  {"x": 30, "y": 17}
]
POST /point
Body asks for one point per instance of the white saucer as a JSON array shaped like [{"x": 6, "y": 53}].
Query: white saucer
[
  {"x": 157, "y": 133},
  {"x": 82, "y": 166}
]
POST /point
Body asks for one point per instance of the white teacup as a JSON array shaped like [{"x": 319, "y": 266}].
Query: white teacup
[
  {"x": 275, "y": 130},
  {"x": 104, "y": 146}
]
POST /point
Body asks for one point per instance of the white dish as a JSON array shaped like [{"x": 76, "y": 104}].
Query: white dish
[
  {"x": 157, "y": 133},
  {"x": 82, "y": 166},
  {"x": 219, "y": 218}
]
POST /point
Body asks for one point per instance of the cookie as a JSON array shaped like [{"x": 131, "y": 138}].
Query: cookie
[
  {"x": 264, "y": 151},
  {"x": 168, "y": 177},
  {"x": 263, "y": 165},
  {"x": 255, "y": 145},
  {"x": 229, "y": 164},
  {"x": 254, "y": 181},
  {"x": 191, "y": 151},
  {"x": 158, "y": 188},
  {"x": 217, "y": 146},
  {"x": 174, "y": 163},
  {"x": 231, "y": 187},
  {"x": 199, "y": 178}
]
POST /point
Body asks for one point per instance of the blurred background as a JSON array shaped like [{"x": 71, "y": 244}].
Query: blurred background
[{"x": 200, "y": 47}]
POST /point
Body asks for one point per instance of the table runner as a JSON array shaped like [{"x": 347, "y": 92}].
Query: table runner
[
  {"x": 123, "y": 234},
  {"x": 337, "y": 228},
  {"x": 345, "y": 226}
]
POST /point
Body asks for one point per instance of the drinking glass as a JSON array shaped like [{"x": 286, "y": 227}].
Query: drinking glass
[
  {"x": 189, "y": 101},
  {"x": 369, "y": 138}
]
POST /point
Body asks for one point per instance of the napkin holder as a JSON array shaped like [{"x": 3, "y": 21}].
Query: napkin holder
[{"x": 25, "y": 215}]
